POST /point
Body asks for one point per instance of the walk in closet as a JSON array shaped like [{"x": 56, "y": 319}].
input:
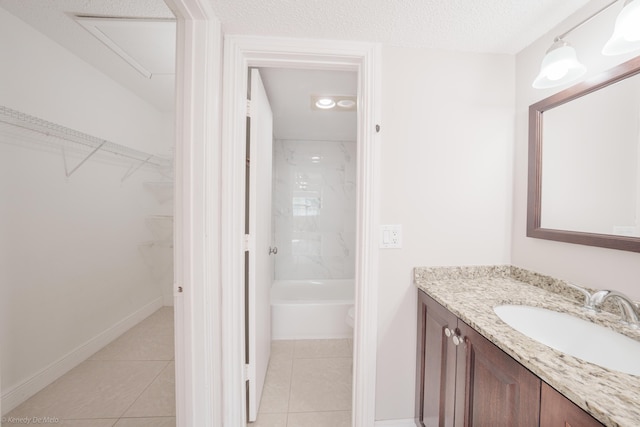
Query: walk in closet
[
  {"x": 86, "y": 218},
  {"x": 87, "y": 246}
]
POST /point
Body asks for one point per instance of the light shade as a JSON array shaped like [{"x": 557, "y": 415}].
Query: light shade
[
  {"x": 626, "y": 34},
  {"x": 559, "y": 66}
]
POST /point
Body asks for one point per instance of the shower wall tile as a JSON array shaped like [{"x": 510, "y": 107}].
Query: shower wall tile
[{"x": 314, "y": 209}]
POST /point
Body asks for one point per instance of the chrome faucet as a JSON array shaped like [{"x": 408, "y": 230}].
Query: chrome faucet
[
  {"x": 585, "y": 293},
  {"x": 629, "y": 309}
]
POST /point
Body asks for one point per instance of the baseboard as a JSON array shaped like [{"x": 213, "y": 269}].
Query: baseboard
[
  {"x": 396, "y": 423},
  {"x": 167, "y": 300},
  {"x": 21, "y": 392}
]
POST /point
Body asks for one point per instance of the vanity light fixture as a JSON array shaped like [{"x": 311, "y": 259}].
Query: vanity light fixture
[
  {"x": 560, "y": 64},
  {"x": 626, "y": 34}
]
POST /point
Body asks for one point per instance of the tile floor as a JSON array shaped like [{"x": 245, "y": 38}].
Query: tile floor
[
  {"x": 308, "y": 384},
  {"x": 129, "y": 383}
]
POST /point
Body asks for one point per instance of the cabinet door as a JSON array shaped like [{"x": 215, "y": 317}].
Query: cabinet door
[
  {"x": 496, "y": 390},
  {"x": 436, "y": 364},
  {"x": 558, "y": 411}
]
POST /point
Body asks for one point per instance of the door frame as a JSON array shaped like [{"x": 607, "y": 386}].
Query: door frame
[
  {"x": 198, "y": 358},
  {"x": 240, "y": 53}
]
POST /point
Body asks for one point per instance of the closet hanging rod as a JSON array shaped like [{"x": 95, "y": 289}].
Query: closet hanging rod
[{"x": 35, "y": 124}]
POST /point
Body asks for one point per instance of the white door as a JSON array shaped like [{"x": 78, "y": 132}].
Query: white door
[{"x": 260, "y": 263}]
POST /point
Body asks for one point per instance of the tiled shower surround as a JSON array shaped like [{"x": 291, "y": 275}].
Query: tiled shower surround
[{"x": 314, "y": 209}]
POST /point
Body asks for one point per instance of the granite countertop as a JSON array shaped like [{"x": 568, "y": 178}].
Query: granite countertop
[{"x": 471, "y": 293}]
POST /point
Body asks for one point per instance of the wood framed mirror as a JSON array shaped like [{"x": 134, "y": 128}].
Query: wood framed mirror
[{"x": 584, "y": 162}]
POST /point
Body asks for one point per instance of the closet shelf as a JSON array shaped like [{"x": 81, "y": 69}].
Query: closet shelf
[{"x": 85, "y": 143}]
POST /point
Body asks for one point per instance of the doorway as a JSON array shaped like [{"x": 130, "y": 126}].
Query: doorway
[
  {"x": 311, "y": 249},
  {"x": 91, "y": 227},
  {"x": 240, "y": 54}
]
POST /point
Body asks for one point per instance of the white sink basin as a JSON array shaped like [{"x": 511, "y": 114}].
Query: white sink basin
[{"x": 574, "y": 336}]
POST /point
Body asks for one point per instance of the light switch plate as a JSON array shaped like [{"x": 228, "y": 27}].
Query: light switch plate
[{"x": 391, "y": 236}]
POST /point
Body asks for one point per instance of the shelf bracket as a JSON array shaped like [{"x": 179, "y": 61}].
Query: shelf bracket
[
  {"x": 64, "y": 156},
  {"x": 133, "y": 170}
]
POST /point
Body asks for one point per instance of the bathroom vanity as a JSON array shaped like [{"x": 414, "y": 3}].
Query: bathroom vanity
[{"x": 475, "y": 370}]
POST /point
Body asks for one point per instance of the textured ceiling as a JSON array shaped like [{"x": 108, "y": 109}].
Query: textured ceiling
[
  {"x": 493, "y": 26},
  {"x": 490, "y": 26}
]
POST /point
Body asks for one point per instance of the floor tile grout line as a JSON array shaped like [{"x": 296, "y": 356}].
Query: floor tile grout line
[
  {"x": 142, "y": 392},
  {"x": 100, "y": 362},
  {"x": 289, "y": 393},
  {"x": 292, "y": 360}
]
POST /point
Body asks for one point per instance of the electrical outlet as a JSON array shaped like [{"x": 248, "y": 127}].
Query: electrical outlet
[{"x": 391, "y": 236}]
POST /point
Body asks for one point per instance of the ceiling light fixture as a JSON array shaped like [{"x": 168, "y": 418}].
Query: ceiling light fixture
[
  {"x": 325, "y": 103},
  {"x": 346, "y": 103},
  {"x": 333, "y": 102},
  {"x": 560, "y": 64}
]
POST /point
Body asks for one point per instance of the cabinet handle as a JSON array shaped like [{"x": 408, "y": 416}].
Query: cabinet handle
[{"x": 454, "y": 335}]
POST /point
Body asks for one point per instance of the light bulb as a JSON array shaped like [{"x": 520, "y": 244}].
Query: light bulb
[
  {"x": 557, "y": 71},
  {"x": 325, "y": 103}
]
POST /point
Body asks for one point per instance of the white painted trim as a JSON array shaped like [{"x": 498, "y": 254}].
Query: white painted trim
[
  {"x": 396, "y": 423},
  {"x": 197, "y": 215},
  {"x": 21, "y": 392},
  {"x": 368, "y": 223},
  {"x": 240, "y": 53},
  {"x": 233, "y": 202}
]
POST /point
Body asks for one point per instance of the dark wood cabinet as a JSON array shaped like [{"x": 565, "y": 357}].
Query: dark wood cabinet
[
  {"x": 464, "y": 380},
  {"x": 558, "y": 411},
  {"x": 497, "y": 390},
  {"x": 435, "y": 389}
]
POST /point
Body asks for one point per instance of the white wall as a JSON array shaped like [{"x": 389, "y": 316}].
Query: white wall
[
  {"x": 447, "y": 130},
  {"x": 70, "y": 263},
  {"x": 317, "y": 242},
  {"x": 583, "y": 265}
]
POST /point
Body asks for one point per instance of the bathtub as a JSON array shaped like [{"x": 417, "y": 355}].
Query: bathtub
[{"x": 311, "y": 309}]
